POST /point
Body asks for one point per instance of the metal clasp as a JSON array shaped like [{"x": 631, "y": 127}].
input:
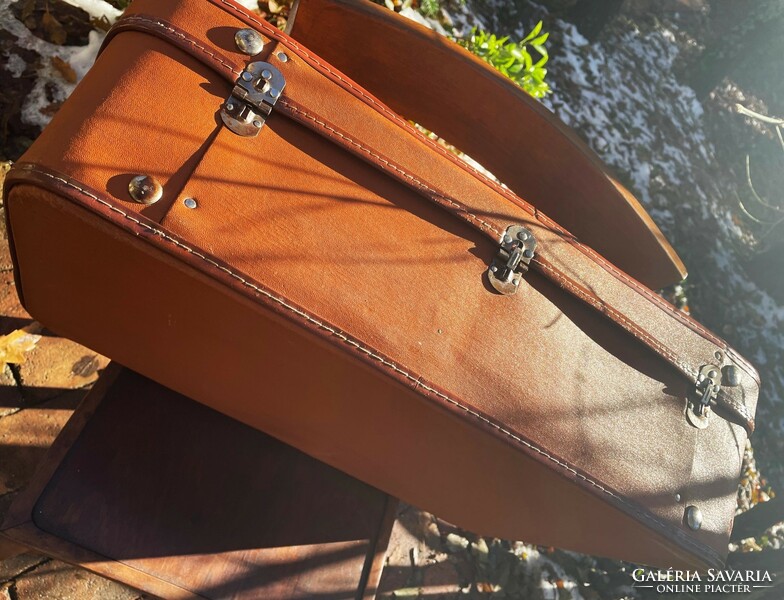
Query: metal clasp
[
  {"x": 706, "y": 390},
  {"x": 251, "y": 101},
  {"x": 518, "y": 246}
]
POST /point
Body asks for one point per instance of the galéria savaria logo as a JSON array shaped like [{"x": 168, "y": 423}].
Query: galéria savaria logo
[{"x": 714, "y": 581}]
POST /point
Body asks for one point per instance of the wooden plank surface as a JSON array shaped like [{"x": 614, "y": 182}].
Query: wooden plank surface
[{"x": 157, "y": 491}]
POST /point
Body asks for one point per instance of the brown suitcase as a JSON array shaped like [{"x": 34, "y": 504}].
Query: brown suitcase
[
  {"x": 360, "y": 278},
  {"x": 158, "y": 492}
]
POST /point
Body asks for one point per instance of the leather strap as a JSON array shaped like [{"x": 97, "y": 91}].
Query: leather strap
[
  {"x": 396, "y": 148},
  {"x": 434, "y": 82}
]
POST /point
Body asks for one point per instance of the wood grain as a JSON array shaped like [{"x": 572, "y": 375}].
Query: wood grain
[{"x": 159, "y": 492}]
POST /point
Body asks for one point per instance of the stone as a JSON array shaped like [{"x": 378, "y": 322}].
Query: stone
[
  {"x": 10, "y": 394},
  {"x": 56, "y": 365},
  {"x": 26, "y": 435},
  {"x": 55, "y": 579},
  {"x": 11, "y": 568}
]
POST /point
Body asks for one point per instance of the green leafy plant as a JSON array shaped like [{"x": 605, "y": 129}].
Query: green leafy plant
[
  {"x": 514, "y": 59},
  {"x": 430, "y": 8}
]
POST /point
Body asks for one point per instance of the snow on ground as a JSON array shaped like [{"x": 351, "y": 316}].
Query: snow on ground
[
  {"x": 97, "y": 8},
  {"x": 50, "y": 85}
]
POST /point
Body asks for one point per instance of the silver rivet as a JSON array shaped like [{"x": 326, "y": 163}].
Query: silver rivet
[
  {"x": 528, "y": 253},
  {"x": 522, "y": 236},
  {"x": 732, "y": 375},
  {"x": 718, "y": 354},
  {"x": 274, "y": 92},
  {"x": 257, "y": 124},
  {"x": 677, "y": 497},
  {"x": 282, "y": 57},
  {"x": 712, "y": 373},
  {"x": 229, "y": 106},
  {"x": 190, "y": 202},
  {"x": 145, "y": 189},
  {"x": 507, "y": 238},
  {"x": 266, "y": 73},
  {"x": 693, "y": 517},
  {"x": 249, "y": 41},
  {"x": 246, "y": 76}
]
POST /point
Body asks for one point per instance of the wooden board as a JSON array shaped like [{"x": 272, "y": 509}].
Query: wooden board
[{"x": 152, "y": 489}]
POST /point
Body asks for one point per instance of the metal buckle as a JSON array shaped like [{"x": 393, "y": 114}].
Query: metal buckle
[
  {"x": 251, "y": 101},
  {"x": 518, "y": 246},
  {"x": 706, "y": 390}
]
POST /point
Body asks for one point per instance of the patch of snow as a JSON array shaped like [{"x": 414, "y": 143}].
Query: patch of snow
[
  {"x": 50, "y": 86},
  {"x": 97, "y": 8},
  {"x": 15, "y": 65}
]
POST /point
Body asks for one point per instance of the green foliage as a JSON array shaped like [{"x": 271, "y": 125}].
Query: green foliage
[
  {"x": 430, "y": 8},
  {"x": 514, "y": 59}
]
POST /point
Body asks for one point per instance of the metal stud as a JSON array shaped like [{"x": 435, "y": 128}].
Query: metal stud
[
  {"x": 249, "y": 41},
  {"x": 282, "y": 57},
  {"x": 274, "y": 92},
  {"x": 190, "y": 202},
  {"x": 522, "y": 236},
  {"x": 247, "y": 76},
  {"x": 677, "y": 497},
  {"x": 693, "y": 517},
  {"x": 266, "y": 73},
  {"x": 145, "y": 189},
  {"x": 257, "y": 124}
]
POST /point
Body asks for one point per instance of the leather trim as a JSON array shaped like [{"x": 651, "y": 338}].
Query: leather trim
[{"x": 151, "y": 232}]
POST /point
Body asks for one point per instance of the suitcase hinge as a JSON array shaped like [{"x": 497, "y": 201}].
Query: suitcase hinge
[
  {"x": 515, "y": 254},
  {"x": 706, "y": 390},
  {"x": 255, "y": 93}
]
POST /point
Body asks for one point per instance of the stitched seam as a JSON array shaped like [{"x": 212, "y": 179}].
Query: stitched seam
[
  {"x": 417, "y": 381},
  {"x": 185, "y": 38},
  {"x": 672, "y": 311},
  {"x": 518, "y": 201},
  {"x": 482, "y": 224},
  {"x": 395, "y": 117},
  {"x": 630, "y": 326}
]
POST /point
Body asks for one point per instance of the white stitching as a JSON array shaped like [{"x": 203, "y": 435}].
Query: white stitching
[
  {"x": 417, "y": 381},
  {"x": 630, "y": 326},
  {"x": 179, "y": 35},
  {"x": 468, "y": 215},
  {"x": 669, "y": 309},
  {"x": 674, "y": 312}
]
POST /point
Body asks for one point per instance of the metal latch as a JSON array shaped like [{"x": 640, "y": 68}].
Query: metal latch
[
  {"x": 255, "y": 93},
  {"x": 706, "y": 390},
  {"x": 515, "y": 254}
]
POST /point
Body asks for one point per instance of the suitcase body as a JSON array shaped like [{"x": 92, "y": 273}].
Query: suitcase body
[{"x": 328, "y": 279}]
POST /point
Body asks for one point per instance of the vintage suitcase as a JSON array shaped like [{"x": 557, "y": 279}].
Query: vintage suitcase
[
  {"x": 158, "y": 492},
  {"x": 309, "y": 244}
]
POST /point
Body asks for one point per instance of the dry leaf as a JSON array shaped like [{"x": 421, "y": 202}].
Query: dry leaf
[
  {"x": 15, "y": 345},
  {"x": 103, "y": 23},
  {"x": 64, "y": 69},
  {"x": 54, "y": 30}
]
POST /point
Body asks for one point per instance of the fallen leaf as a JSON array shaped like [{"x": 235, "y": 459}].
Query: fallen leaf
[
  {"x": 55, "y": 32},
  {"x": 64, "y": 69},
  {"x": 15, "y": 345},
  {"x": 103, "y": 23}
]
